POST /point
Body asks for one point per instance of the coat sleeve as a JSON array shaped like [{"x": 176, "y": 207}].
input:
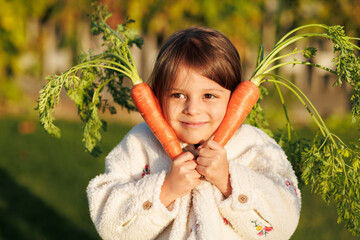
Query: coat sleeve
[
  {"x": 124, "y": 203},
  {"x": 265, "y": 199}
]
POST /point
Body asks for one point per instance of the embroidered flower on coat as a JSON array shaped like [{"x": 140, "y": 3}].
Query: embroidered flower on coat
[
  {"x": 261, "y": 228},
  {"x": 289, "y": 184},
  {"x": 145, "y": 171}
]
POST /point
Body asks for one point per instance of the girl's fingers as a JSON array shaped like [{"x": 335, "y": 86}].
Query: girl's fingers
[
  {"x": 185, "y": 162},
  {"x": 190, "y": 164},
  {"x": 211, "y": 144},
  {"x": 196, "y": 174},
  {"x": 186, "y": 156},
  {"x": 207, "y": 149},
  {"x": 203, "y": 161},
  {"x": 206, "y": 152},
  {"x": 201, "y": 170}
]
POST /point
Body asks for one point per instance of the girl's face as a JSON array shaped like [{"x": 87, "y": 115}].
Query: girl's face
[{"x": 195, "y": 106}]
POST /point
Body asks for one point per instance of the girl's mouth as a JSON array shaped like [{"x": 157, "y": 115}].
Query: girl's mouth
[{"x": 193, "y": 124}]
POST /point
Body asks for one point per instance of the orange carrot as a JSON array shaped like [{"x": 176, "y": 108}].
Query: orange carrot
[
  {"x": 241, "y": 102},
  {"x": 149, "y": 108}
]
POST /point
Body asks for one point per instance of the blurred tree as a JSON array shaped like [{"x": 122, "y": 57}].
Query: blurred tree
[
  {"x": 240, "y": 20},
  {"x": 246, "y": 23},
  {"x": 13, "y": 18},
  {"x": 24, "y": 25},
  {"x": 291, "y": 14},
  {"x": 22, "y": 35}
]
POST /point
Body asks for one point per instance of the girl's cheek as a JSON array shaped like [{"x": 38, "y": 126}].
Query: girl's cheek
[
  {"x": 170, "y": 110},
  {"x": 165, "y": 108},
  {"x": 219, "y": 111}
]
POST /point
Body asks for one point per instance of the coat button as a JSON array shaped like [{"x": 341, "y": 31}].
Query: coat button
[
  {"x": 147, "y": 205},
  {"x": 242, "y": 198}
]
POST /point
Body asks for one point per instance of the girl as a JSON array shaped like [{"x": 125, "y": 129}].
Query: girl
[{"x": 245, "y": 190}]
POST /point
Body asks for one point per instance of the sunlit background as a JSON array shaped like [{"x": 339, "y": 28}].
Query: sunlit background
[{"x": 43, "y": 179}]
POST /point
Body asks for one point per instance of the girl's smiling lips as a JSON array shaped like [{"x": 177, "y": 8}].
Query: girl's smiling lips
[{"x": 192, "y": 124}]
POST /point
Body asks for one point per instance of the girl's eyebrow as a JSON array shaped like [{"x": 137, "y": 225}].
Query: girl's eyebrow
[
  {"x": 204, "y": 90},
  {"x": 176, "y": 89},
  {"x": 214, "y": 89}
]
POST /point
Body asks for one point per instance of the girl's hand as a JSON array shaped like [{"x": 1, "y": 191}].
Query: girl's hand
[
  {"x": 181, "y": 179},
  {"x": 213, "y": 165}
]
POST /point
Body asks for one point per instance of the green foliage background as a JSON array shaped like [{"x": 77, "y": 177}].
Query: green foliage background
[{"x": 43, "y": 180}]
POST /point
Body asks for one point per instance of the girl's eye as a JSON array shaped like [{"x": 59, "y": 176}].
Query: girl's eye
[
  {"x": 177, "y": 95},
  {"x": 209, "y": 96}
]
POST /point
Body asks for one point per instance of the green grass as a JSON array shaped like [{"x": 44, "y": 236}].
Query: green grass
[
  {"x": 318, "y": 221},
  {"x": 43, "y": 182}
]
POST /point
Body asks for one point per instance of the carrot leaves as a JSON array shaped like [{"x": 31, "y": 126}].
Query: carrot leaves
[
  {"x": 333, "y": 172},
  {"x": 347, "y": 65},
  {"x": 85, "y": 82},
  {"x": 330, "y": 166}
]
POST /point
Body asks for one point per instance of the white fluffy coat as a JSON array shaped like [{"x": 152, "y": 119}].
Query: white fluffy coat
[{"x": 259, "y": 170}]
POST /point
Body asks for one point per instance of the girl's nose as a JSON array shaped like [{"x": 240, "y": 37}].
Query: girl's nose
[{"x": 192, "y": 107}]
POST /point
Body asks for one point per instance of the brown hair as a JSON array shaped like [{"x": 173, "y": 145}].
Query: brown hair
[{"x": 204, "y": 49}]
